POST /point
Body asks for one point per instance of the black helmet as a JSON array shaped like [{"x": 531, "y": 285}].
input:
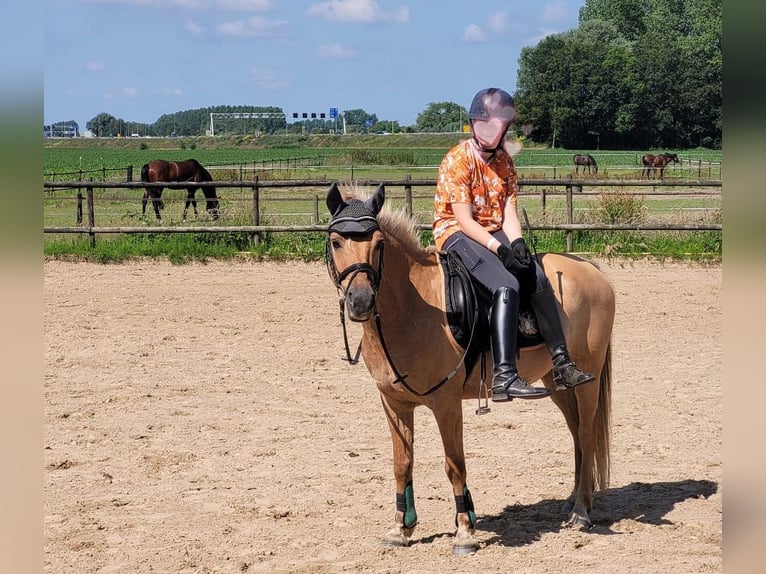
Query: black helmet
[{"x": 491, "y": 103}]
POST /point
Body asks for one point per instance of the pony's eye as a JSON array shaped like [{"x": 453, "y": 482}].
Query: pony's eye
[{"x": 336, "y": 243}]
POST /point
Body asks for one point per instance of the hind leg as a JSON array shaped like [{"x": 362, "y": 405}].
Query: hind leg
[
  {"x": 579, "y": 408},
  {"x": 401, "y": 417},
  {"x": 190, "y": 200}
]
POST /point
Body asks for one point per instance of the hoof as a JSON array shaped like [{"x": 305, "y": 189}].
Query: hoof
[
  {"x": 465, "y": 548},
  {"x": 395, "y": 538},
  {"x": 579, "y": 522},
  {"x": 464, "y": 543}
]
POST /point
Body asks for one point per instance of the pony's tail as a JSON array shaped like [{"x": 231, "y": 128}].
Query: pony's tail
[
  {"x": 145, "y": 173},
  {"x": 604, "y": 423}
]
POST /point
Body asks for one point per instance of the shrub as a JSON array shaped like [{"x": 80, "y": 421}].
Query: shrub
[{"x": 615, "y": 207}]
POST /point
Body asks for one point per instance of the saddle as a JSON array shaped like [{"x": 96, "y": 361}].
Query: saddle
[{"x": 468, "y": 305}]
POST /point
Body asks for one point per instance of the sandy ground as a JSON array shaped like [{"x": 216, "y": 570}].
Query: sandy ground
[{"x": 199, "y": 418}]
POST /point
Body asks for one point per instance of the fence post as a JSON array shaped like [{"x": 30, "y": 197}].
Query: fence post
[
  {"x": 79, "y": 206},
  {"x": 315, "y": 218},
  {"x": 91, "y": 214},
  {"x": 570, "y": 212},
  {"x": 543, "y": 200},
  {"x": 130, "y": 173},
  {"x": 256, "y": 237},
  {"x": 408, "y": 195}
]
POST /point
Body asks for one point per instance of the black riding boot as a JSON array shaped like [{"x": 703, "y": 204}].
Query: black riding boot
[
  {"x": 503, "y": 326},
  {"x": 565, "y": 373}
]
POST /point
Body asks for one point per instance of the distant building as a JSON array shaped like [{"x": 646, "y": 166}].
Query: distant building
[{"x": 68, "y": 129}]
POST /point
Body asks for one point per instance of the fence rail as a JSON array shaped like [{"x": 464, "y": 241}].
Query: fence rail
[{"x": 568, "y": 187}]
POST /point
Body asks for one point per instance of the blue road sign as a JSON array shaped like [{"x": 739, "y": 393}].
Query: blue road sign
[{"x": 333, "y": 113}]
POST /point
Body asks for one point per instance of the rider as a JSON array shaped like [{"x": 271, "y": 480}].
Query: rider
[{"x": 475, "y": 217}]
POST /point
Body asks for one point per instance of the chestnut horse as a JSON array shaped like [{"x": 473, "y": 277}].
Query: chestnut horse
[
  {"x": 396, "y": 289},
  {"x": 657, "y": 163},
  {"x": 178, "y": 171},
  {"x": 587, "y": 162}
]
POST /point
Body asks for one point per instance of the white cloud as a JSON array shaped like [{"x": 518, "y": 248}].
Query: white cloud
[
  {"x": 245, "y": 5},
  {"x": 498, "y": 22},
  {"x": 357, "y": 11},
  {"x": 474, "y": 33},
  {"x": 94, "y": 66},
  {"x": 267, "y": 79},
  {"x": 190, "y": 4},
  {"x": 257, "y": 26},
  {"x": 235, "y": 5},
  {"x": 130, "y": 92},
  {"x": 193, "y": 27},
  {"x": 556, "y": 13},
  {"x": 334, "y": 51}
]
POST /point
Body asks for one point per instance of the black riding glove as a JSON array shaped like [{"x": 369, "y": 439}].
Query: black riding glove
[{"x": 515, "y": 258}]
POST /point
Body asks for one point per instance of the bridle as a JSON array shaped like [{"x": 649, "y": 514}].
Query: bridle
[{"x": 375, "y": 276}]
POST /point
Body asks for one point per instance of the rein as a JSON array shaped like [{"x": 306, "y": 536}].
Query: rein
[{"x": 375, "y": 276}]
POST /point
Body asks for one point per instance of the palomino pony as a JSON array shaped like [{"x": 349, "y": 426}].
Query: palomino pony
[
  {"x": 396, "y": 289},
  {"x": 587, "y": 162},
  {"x": 189, "y": 170},
  {"x": 657, "y": 163}
]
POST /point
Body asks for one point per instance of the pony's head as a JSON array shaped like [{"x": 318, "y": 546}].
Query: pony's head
[
  {"x": 354, "y": 249},
  {"x": 212, "y": 201}
]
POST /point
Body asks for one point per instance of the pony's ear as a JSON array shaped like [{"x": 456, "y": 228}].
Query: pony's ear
[
  {"x": 334, "y": 199},
  {"x": 375, "y": 202}
]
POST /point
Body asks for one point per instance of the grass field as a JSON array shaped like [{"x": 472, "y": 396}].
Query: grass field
[{"x": 364, "y": 158}]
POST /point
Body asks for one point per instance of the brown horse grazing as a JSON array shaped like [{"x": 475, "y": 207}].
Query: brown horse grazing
[
  {"x": 654, "y": 163},
  {"x": 190, "y": 170},
  {"x": 396, "y": 289},
  {"x": 587, "y": 162}
]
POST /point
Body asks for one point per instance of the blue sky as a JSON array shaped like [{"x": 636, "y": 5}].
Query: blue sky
[{"x": 140, "y": 59}]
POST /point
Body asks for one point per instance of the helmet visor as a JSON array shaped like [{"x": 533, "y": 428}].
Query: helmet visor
[{"x": 489, "y": 133}]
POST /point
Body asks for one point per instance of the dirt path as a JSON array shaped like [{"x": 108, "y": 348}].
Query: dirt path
[{"x": 199, "y": 419}]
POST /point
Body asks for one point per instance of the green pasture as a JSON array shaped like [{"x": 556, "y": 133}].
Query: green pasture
[
  {"x": 305, "y": 206},
  {"x": 393, "y": 157}
]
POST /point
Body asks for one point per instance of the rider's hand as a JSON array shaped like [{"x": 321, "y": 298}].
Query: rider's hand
[{"x": 517, "y": 257}]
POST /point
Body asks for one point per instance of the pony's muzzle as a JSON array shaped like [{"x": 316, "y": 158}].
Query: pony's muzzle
[{"x": 360, "y": 302}]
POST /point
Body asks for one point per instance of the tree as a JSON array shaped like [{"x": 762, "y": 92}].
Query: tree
[
  {"x": 103, "y": 125},
  {"x": 634, "y": 74},
  {"x": 358, "y": 119},
  {"x": 442, "y": 117}
]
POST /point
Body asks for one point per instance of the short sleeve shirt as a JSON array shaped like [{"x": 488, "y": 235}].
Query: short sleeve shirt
[{"x": 486, "y": 186}]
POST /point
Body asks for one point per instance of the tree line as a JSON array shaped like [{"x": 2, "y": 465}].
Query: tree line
[{"x": 634, "y": 74}]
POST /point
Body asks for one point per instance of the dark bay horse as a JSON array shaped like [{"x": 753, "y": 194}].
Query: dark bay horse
[
  {"x": 395, "y": 288},
  {"x": 189, "y": 170},
  {"x": 587, "y": 162},
  {"x": 657, "y": 163}
]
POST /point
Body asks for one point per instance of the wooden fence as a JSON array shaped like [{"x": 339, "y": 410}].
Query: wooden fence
[{"x": 544, "y": 188}]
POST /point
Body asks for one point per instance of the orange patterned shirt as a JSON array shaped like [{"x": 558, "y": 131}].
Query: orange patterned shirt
[{"x": 464, "y": 178}]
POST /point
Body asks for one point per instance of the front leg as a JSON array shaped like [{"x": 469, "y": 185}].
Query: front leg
[
  {"x": 400, "y": 417},
  {"x": 449, "y": 418}
]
